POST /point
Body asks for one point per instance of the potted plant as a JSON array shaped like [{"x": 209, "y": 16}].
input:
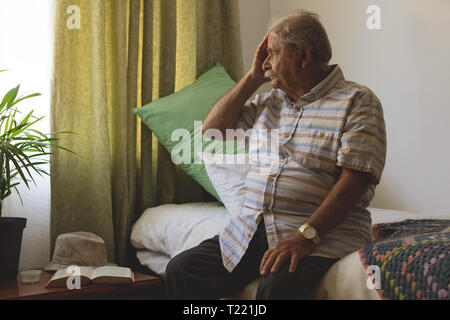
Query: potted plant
[{"x": 22, "y": 150}]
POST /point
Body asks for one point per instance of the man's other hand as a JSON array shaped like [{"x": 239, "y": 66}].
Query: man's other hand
[{"x": 295, "y": 248}]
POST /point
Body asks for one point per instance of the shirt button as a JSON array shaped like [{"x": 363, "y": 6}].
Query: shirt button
[
  {"x": 249, "y": 234},
  {"x": 286, "y": 135},
  {"x": 270, "y": 179}
]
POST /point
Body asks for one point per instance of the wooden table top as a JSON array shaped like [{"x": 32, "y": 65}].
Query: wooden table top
[{"x": 18, "y": 290}]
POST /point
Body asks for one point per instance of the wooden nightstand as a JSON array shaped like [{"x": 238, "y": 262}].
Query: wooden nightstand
[{"x": 144, "y": 287}]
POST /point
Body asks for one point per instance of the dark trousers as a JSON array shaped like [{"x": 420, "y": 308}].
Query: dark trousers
[{"x": 198, "y": 273}]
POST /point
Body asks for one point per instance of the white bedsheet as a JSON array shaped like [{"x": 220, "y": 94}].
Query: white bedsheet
[
  {"x": 155, "y": 261},
  {"x": 164, "y": 232}
]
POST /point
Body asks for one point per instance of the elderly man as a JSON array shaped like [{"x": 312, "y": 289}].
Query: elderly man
[{"x": 309, "y": 208}]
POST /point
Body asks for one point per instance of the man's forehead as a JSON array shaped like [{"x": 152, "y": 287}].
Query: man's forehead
[{"x": 273, "y": 42}]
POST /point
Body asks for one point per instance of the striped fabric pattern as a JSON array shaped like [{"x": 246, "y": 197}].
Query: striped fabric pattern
[{"x": 297, "y": 151}]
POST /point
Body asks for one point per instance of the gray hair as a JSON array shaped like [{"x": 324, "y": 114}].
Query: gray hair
[{"x": 302, "y": 30}]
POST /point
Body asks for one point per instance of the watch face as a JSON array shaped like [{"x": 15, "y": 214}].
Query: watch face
[{"x": 309, "y": 233}]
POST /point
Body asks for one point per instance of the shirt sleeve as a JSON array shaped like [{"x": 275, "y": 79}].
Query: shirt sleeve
[
  {"x": 363, "y": 142},
  {"x": 251, "y": 111}
]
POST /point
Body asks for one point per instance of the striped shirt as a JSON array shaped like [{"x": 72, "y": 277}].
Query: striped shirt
[{"x": 337, "y": 124}]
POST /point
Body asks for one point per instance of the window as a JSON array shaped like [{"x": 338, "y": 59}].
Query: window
[{"x": 26, "y": 51}]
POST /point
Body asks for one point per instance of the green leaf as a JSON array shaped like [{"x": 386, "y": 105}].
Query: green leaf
[
  {"x": 8, "y": 175},
  {"x": 8, "y": 99},
  {"x": 22, "y": 157},
  {"x": 12, "y": 122},
  {"x": 20, "y": 197},
  {"x": 12, "y": 132},
  {"x": 9, "y": 157},
  {"x": 40, "y": 134},
  {"x": 59, "y": 147},
  {"x": 37, "y": 94}
]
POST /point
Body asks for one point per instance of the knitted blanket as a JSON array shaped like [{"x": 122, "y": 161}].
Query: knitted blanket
[{"x": 413, "y": 257}]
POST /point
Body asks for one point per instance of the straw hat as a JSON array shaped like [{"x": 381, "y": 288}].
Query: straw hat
[{"x": 80, "y": 249}]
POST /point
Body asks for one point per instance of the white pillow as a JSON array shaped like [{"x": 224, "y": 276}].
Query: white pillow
[
  {"x": 227, "y": 173},
  {"x": 173, "y": 228}
]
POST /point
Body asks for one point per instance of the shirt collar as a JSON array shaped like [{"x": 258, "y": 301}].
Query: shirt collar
[{"x": 322, "y": 88}]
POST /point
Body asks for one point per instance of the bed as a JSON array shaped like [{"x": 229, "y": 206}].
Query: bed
[{"x": 408, "y": 258}]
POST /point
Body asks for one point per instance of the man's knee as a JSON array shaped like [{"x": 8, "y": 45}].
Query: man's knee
[
  {"x": 175, "y": 267},
  {"x": 278, "y": 285},
  {"x": 273, "y": 287},
  {"x": 268, "y": 288},
  {"x": 298, "y": 285}
]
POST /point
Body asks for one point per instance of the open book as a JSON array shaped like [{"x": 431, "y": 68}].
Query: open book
[{"x": 100, "y": 275}]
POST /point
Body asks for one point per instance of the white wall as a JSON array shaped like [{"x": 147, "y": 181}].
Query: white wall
[
  {"x": 407, "y": 64},
  {"x": 254, "y": 18}
]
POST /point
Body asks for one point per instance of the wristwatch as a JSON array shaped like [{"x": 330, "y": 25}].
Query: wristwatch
[{"x": 309, "y": 232}]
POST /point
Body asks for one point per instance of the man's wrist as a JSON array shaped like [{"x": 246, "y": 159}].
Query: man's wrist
[
  {"x": 255, "y": 79},
  {"x": 311, "y": 244}
]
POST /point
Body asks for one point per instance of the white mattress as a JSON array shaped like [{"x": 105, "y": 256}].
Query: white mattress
[{"x": 346, "y": 279}]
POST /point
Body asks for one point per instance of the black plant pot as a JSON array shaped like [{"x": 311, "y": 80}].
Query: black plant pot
[{"x": 11, "y": 230}]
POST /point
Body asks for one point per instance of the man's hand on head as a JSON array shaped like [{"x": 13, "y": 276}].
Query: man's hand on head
[
  {"x": 295, "y": 248},
  {"x": 261, "y": 54}
]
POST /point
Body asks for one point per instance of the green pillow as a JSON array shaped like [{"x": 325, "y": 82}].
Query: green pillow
[{"x": 172, "y": 120}]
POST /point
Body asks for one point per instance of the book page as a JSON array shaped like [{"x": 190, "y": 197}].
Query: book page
[
  {"x": 84, "y": 271},
  {"x": 116, "y": 272},
  {"x": 87, "y": 272},
  {"x": 60, "y": 276}
]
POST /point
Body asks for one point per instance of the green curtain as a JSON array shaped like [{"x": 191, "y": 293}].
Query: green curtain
[{"x": 126, "y": 54}]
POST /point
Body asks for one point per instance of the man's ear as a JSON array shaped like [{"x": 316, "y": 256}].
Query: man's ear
[{"x": 307, "y": 58}]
